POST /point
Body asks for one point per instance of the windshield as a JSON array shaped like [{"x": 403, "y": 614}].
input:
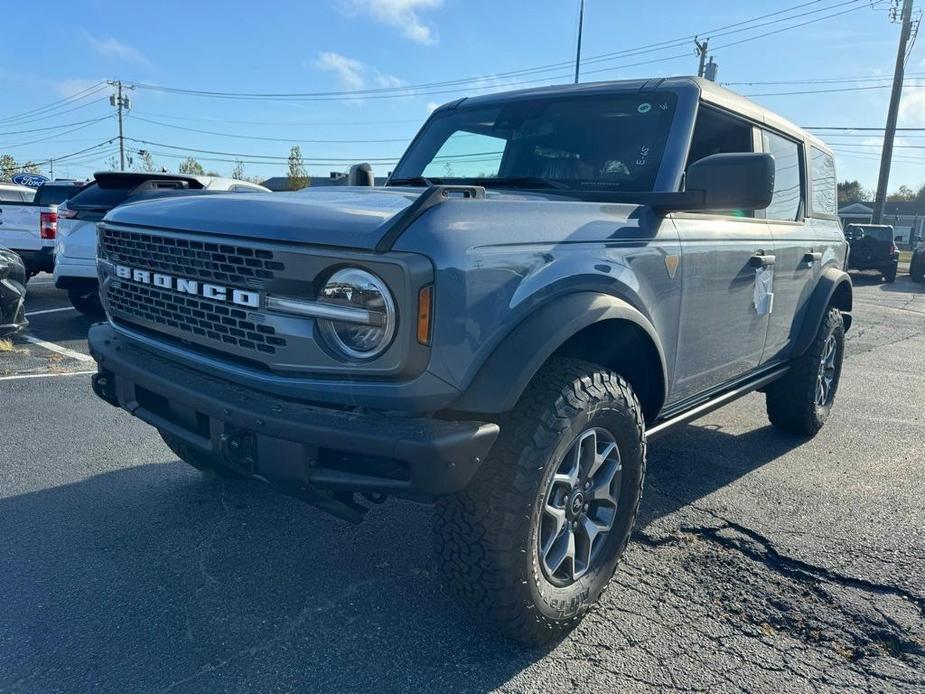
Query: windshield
[{"x": 612, "y": 142}]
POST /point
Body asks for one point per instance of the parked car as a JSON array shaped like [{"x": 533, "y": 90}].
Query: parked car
[
  {"x": 917, "y": 262},
  {"x": 75, "y": 247},
  {"x": 12, "y": 293},
  {"x": 873, "y": 247},
  {"x": 551, "y": 279},
  {"x": 29, "y": 226},
  {"x": 11, "y": 192}
]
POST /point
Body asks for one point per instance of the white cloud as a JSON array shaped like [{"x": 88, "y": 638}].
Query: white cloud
[
  {"x": 912, "y": 108},
  {"x": 109, "y": 47},
  {"x": 432, "y": 106},
  {"x": 348, "y": 70},
  {"x": 404, "y": 15},
  {"x": 352, "y": 73}
]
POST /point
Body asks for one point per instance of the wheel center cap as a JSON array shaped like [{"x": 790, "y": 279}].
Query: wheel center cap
[{"x": 577, "y": 503}]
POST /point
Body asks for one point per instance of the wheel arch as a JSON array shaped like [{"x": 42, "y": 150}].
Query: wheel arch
[
  {"x": 595, "y": 327},
  {"x": 834, "y": 290}
]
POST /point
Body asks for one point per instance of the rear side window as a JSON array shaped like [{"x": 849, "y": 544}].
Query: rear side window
[
  {"x": 825, "y": 198},
  {"x": 95, "y": 197},
  {"x": 788, "y": 189}
]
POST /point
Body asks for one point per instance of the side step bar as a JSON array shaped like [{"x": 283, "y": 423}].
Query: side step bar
[{"x": 660, "y": 428}]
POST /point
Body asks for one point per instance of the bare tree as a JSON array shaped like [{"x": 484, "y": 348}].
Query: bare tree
[{"x": 191, "y": 166}]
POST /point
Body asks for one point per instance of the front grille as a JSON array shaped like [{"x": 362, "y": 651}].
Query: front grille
[
  {"x": 201, "y": 260},
  {"x": 212, "y": 321}
]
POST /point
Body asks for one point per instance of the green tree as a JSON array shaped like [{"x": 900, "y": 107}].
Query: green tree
[
  {"x": 9, "y": 167},
  {"x": 191, "y": 166},
  {"x": 298, "y": 176},
  {"x": 852, "y": 191}
]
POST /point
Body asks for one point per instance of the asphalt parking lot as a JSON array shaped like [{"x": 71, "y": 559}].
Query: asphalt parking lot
[{"x": 761, "y": 562}]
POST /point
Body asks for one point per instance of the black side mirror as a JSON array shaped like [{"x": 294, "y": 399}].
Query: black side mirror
[{"x": 733, "y": 181}]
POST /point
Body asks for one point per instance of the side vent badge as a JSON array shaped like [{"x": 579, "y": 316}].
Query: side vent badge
[{"x": 671, "y": 262}]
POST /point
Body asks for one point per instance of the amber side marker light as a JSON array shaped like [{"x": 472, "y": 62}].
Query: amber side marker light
[{"x": 425, "y": 308}]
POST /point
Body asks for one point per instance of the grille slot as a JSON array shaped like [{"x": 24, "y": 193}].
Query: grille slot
[
  {"x": 220, "y": 325},
  {"x": 201, "y": 260}
]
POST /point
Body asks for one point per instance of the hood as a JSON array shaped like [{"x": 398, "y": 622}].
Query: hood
[{"x": 345, "y": 217}]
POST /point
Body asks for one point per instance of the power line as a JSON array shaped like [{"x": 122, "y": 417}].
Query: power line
[
  {"x": 260, "y": 156},
  {"x": 73, "y": 97},
  {"x": 52, "y": 137},
  {"x": 53, "y": 127},
  {"x": 425, "y": 88},
  {"x": 266, "y": 139},
  {"x": 31, "y": 120},
  {"x": 837, "y": 89}
]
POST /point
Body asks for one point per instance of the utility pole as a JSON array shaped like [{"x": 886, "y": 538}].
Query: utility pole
[
  {"x": 51, "y": 165},
  {"x": 581, "y": 21},
  {"x": 886, "y": 155},
  {"x": 702, "y": 52},
  {"x": 121, "y": 104}
]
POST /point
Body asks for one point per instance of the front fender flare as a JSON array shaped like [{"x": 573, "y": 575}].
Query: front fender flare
[{"x": 502, "y": 378}]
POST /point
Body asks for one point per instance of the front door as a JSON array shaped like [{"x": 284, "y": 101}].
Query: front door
[{"x": 724, "y": 316}]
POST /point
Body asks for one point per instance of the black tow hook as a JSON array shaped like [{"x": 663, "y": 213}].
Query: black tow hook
[{"x": 104, "y": 385}]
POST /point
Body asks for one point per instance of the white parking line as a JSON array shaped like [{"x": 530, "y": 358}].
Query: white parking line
[
  {"x": 49, "y": 310},
  {"x": 58, "y": 348},
  {"x": 46, "y": 375}
]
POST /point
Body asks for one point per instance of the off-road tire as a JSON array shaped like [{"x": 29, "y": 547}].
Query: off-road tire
[
  {"x": 486, "y": 536},
  {"x": 87, "y": 302},
  {"x": 791, "y": 401},
  {"x": 890, "y": 275},
  {"x": 202, "y": 462}
]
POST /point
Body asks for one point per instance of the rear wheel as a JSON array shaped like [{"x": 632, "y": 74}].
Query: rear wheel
[
  {"x": 536, "y": 537},
  {"x": 86, "y": 301},
  {"x": 801, "y": 401},
  {"x": 890, "y": 275},
  {"x": 202, "y": 462}
]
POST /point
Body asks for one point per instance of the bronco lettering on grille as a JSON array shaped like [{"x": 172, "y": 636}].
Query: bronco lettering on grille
[{"x": 216, "y": 292}]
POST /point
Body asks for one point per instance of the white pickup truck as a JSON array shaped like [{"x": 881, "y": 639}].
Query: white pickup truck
[{"x": 28, "y": 226}]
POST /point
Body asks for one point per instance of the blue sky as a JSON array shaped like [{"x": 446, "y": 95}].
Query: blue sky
[{"x": 53, "y": 50}]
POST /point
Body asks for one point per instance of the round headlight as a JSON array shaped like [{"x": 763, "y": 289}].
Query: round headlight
[{"x": 365, "y": 325}]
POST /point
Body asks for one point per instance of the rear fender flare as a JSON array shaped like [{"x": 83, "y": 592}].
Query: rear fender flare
[
  {"x": 833, "y": 289},
  {"x": 502, "y": 378}
]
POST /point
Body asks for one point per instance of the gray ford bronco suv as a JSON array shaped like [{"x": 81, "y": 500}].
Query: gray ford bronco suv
[{"x": 550, "y": 280}]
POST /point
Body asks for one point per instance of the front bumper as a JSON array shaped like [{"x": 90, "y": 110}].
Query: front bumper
[{"x": 298, "y": 447}]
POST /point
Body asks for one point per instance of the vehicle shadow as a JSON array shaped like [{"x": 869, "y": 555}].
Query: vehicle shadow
[
  {"x": 153, "y": 578},
  {"x": 903, "y": 283}
]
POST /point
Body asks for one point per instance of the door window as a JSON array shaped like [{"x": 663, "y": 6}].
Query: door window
[
  {"x": 716, "y": 132},
  {"x": 788, "y": 179},
  {"x": 824, "y": 197}
]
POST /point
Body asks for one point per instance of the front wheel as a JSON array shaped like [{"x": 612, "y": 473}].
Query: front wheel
[
  {"x": 917, "y": 271},
  {"x": 86, "y": 301},
  {"x": 536, "y": 537},
  {"x": 801, "y": 401}
]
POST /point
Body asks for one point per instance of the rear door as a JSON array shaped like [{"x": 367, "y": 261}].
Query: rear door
[
  {"x": 722, "y": 331},
  {"x": 796, "y": 268}
]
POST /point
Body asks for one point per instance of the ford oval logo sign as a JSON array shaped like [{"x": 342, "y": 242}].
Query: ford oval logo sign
[{"x": 27, "y": 179}]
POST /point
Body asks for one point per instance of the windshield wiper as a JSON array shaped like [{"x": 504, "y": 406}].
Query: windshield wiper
[{"x": 414, "y": 181}]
